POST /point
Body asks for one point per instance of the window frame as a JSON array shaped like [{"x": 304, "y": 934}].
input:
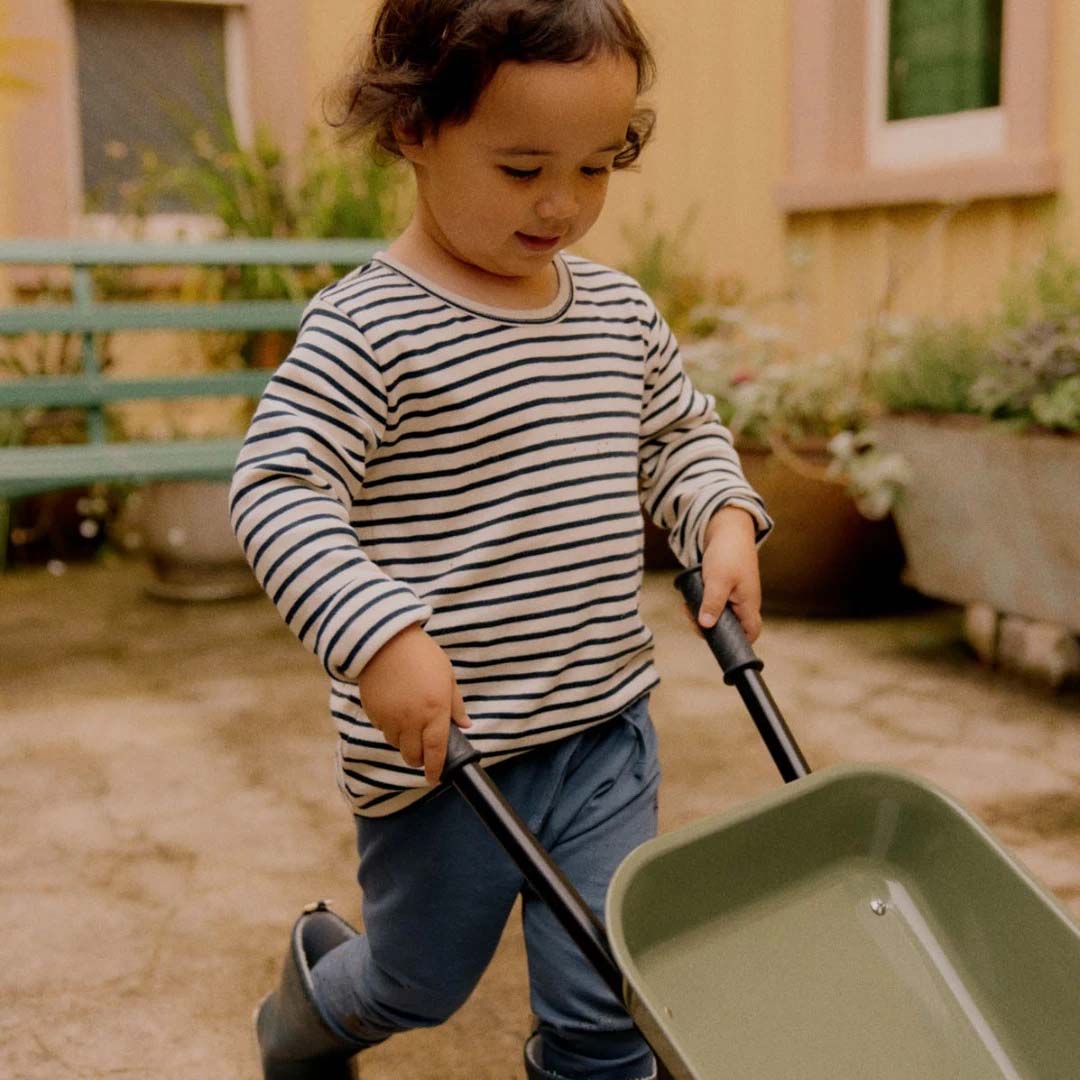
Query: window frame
[
  {"x": 837, "y": 158},
  {"x": 926, "y": 140}
]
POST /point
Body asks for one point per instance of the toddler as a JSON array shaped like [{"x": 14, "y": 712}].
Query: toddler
[{"x": 441, "y": 490}]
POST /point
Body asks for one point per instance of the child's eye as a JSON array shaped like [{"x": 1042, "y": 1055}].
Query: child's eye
[
  {"x": 520, "y": 174},
  {"x": 590, "y": 171}
]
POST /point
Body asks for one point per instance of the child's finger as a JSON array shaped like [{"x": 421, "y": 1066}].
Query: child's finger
[
  {"x": 434, "y": 748},
  {"x": 749, "y": 619},
  {"x": 410, "y": 747},
  {"x": 457, "y": 709},
  {"x": 713, "y": 602}
]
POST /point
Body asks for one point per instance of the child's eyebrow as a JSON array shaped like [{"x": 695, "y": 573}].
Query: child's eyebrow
[{"x": 529, "y": 151}]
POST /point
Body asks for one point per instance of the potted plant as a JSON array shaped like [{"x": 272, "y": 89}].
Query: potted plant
[
  {"x": 247, "y": 191},
  {"x": 799, "y": 426},
  {"x": 987, "y": 416},
  {"x": 799, "y": 423}
]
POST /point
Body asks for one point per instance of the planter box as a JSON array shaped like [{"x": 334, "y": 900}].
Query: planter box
[{"x": 992, "y": 516}]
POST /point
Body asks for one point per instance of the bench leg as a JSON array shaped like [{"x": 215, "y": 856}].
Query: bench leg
[{"x": 5, "y": 525}]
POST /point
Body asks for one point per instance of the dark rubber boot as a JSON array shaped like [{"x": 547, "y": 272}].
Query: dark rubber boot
[
  {"x": 295, "y": 1040},
  {"x": 535, "y": 1071}
]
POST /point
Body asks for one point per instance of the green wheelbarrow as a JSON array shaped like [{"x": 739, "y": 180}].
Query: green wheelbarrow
[{"x": 856, "y": 923}]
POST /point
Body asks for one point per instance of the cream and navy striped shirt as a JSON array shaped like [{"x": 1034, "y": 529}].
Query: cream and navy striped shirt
[{"x": 422, "y": 458}]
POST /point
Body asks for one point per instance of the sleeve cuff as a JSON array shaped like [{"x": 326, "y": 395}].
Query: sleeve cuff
[{"x": 763, "y": 524}]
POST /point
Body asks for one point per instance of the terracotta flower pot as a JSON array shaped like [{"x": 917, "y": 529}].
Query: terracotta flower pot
[
  {"x": 823, "y": 558},
  {"x": 190, "y": 544}
]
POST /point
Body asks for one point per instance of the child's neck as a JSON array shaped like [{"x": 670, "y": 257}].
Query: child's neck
[{"x": 415, "y": 249}]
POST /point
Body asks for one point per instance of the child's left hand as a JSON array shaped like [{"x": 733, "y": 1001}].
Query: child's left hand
[{"x": 729, "y": 569}]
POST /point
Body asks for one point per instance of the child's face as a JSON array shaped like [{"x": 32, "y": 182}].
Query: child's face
[{"x": 527, "y": 173}]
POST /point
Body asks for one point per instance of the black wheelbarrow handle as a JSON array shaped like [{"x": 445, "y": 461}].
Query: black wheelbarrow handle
[
  {"x": 463, "y": 770},
  {"x": 742, "y": 669}
]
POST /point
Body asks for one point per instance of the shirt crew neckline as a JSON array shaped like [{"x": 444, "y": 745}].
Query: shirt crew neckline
[{"x": 550, "y": 313}]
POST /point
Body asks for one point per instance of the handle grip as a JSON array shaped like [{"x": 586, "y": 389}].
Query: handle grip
[
  {"x": 742, "y": 670},
  {"x": 726, "y": 638},
  {"x": 459, "y": 753}
]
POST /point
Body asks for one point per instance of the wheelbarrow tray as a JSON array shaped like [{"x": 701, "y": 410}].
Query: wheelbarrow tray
[{"x": 855, "y": 923}]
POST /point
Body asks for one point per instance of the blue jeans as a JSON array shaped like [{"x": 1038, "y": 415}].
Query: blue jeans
[{"x": 437, "y": 892}]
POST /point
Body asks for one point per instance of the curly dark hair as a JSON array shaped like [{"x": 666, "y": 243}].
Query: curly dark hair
[{"x": 428, "y": 61}]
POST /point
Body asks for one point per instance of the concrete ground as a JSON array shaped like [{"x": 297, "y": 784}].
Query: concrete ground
[{"x": 168, "y": 806}]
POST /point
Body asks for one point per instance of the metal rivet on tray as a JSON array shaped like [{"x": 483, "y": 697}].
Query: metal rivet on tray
[{"x": 878, "y": 907}]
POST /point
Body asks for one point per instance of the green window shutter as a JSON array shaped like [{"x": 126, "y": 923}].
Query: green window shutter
[{"x": 944, "y": 57}]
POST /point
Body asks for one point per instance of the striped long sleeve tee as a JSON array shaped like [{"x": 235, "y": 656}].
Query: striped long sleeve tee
[{"x": 421, "y": 458}]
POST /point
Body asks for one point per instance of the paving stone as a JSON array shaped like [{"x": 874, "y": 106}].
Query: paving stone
[{"x": 169, "y": 804}]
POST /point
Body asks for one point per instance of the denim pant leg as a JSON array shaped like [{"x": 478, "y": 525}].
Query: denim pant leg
[
  {"x": 606, "y": 807},
  {"x": 437, "y": 892}
]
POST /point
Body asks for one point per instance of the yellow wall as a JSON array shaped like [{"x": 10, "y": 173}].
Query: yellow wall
[
  {"x": 722, "y": 98},
  {"x": 721, "y": 146},
  {"x": 6, "y": 156},
  {"x": 719, "y": 140},
  {"x": 5, "y": 133},
  {"x": 336, "y": 30}
]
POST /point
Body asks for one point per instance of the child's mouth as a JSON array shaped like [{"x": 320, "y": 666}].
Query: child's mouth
[{"x": 539, "y": 243}]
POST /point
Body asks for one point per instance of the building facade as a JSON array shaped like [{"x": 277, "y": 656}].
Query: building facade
[{"x": 857, "y": 157}]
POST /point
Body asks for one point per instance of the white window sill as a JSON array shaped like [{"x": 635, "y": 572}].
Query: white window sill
[{"x": 968, "y": 181}]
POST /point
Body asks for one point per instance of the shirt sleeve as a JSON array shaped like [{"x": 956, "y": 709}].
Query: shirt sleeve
[
  {"x": 689, "y": 467},
  {"x": 301, "y": 468}
]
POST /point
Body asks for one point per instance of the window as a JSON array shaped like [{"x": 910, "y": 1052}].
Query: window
[
  {"x": 133, "y": 56},
  {"x": 944, "y": 57},
  {"x": 934, "y": 81},
  {"x": 905, "y": 101},
  {"x": 149, "y": 75}
]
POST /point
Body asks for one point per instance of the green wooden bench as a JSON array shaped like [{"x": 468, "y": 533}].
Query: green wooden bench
[{"x": 27, "y": 470}]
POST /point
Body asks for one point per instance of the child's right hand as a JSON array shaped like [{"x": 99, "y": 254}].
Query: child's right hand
[{"x": 410, "y": 694}]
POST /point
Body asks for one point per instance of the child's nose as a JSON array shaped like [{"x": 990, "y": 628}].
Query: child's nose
[{"x": 558, "y": 205}]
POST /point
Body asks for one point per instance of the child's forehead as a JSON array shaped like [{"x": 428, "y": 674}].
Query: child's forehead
[{"x": 533, "y": 106}]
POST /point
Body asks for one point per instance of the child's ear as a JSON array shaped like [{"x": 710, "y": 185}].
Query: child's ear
[{"x": 410, "y": 143}]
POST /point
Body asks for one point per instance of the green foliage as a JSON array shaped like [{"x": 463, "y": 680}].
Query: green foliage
[
  {"x": 693, "y": 305},
  {"x": 1030, "y": 365},
  {"x": 760, "y": 392},
  {"x": 256, "y": 191},
  {"x": 1060, "y": 407},
  {"x": 1021, "y": 365},
  {"x": 1050, "y": 291},
  {"x": 930, "y": 367}
]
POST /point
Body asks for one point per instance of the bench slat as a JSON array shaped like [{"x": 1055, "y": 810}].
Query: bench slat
[
  {"x": 255, "y": 252},
  {"x": 228, "y": 315},
  {"x": 85, "y": 390},
  {"x": 26, "y": 470}
]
